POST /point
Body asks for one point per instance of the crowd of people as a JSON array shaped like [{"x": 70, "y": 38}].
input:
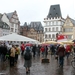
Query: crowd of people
[{"x": 28, "y": 52}]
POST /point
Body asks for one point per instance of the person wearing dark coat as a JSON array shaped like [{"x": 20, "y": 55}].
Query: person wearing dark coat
[
  {"x": 46, "y": 51},
  {"x": 3, "y": 50},
  {"x": 38, "y": 50},
  {"x": 28, "y": 59},
  {"x": 34, "y": 50},
  {"x": 61, "y": 54},
  {"x": 52, "y": 50}
]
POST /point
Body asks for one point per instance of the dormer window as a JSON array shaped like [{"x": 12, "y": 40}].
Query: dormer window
[
  {"x": 50, "y": 15},
  {"x": 56, "y": 14},
  {"x": 54, "y": 9}
]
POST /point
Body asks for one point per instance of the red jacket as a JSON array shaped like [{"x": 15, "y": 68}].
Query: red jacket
[
  {"x": 42, "y": 49},
  {"x": 61, "y": 51},
  {"x": 22, "y": 47},
  {"x": 68, "y": 48}
]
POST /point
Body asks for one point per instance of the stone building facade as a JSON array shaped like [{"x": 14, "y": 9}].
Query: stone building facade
[{"x": 34, "y": 30}]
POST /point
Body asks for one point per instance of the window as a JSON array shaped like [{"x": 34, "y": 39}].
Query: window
[
  {"x": 59, "y": 23},
  {"x": 69, "y": 36},
  {"x": 53, "y": 29},
  {"x": 49, "y": 36},
  {"x": 49, "y": 23},
  {"x": 46, "y": 29},
  {"x": 53, "y": 23},
  {"x": 16, "y": 25},
  {"x": 49, "y": 29},
  {"x": 14, "y": 16},
  {"x": 56, "y": 22},
  {"x": 56, "y": 28},
  {"x": 68, "y": 30},
  {"x": 46, "y": 36},
  {"x": 54, "y": 9},
  {"x": 53, "y": 36}
]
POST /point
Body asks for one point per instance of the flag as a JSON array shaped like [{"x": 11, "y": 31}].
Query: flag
[{"x": 61, "y": 38}]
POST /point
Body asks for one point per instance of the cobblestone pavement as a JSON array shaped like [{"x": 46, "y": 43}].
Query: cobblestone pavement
[{"x": 38, "y": 68}]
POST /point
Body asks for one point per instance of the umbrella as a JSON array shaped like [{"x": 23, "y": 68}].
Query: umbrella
[
  {"x": 60, "y": 43},
  {"x": 73, "y": 41},
  {"x": 67, "y": 42},
  {"x": 28, "y": 44},
  {"x": 51, "y": 42},
  {"x": 44, "y": 44}
]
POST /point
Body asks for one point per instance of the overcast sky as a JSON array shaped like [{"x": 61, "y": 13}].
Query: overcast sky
[{"x": 36, "y": 10}]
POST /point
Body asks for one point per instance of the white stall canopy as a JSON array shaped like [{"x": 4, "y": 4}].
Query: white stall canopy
[{"x": 17, "y": 37}]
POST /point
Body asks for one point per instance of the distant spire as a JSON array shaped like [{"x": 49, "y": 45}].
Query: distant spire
[{"x": 25, "y": 24}]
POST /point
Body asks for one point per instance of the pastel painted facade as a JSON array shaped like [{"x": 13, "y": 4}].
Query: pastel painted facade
[{"x": 69, "y": 28}]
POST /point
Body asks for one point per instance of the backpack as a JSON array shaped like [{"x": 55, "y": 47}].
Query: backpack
[{"x": 27, "y": 56}]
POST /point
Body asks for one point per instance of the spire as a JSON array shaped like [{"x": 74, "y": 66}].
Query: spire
[{"x": 25, "y": 24}]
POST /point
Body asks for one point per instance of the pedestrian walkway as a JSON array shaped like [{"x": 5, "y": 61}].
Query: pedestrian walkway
[{"x": 38, "y": 68}]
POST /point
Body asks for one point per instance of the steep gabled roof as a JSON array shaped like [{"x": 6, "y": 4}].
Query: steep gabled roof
[
  {"x": 9, "y": 15},
  {"x": 54, "y": 11},
  {"x": 36, "y": 25},
  {"x": 73, "y": 21}
]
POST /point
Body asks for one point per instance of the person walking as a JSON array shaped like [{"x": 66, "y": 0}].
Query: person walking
[
  {"x": 17, "y": 52},
  {"x": 61, "y": 53},
  {"x": 12, "y": 55},
  {"x": 28, "y": 59},
  {"x": 22, "y": 48},
  {"x": 68, "y": 50},
  {"x": 38, "y": 50},
  {"x": 46, "y": 51},
  {"x": 42, "y": 49},
  {"x": 34, "y": 50}
]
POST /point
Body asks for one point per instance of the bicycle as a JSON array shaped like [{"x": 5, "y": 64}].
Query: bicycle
[{"x": 73, "y": 60}]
